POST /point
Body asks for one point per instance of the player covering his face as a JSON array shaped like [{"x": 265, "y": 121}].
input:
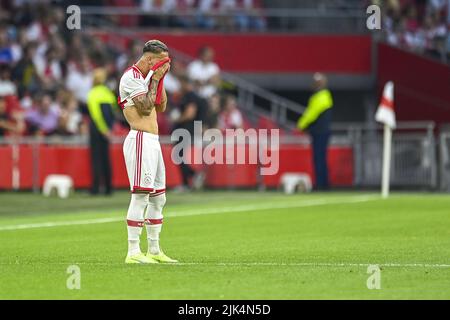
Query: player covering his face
[{"x": 142, "y": 94}]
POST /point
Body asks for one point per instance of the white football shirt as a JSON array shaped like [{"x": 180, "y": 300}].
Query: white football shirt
[{"x": 132, "y": 84}]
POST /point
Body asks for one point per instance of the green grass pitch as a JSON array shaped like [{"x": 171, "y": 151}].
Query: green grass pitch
[{"x": 232, "y": 245}]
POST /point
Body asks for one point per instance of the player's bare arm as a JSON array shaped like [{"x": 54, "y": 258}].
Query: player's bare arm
[
  {"x": 143, "y": 105},
  {"x": 162, "y": 106},
  {"x": 141, "y": 111},
  {"x": 146, "y": 103}
]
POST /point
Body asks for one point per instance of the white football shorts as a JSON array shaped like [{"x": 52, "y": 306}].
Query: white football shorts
[{"x": 144, "y": 162}]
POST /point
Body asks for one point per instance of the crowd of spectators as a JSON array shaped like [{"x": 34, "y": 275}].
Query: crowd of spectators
[
  {"x": 46, "y": 70},
  {"x": 420, "y": 26},
  {"x": 46, "y": 74},
  {"x": 209, "y": 14},
  {"x": 242, "y": 15}
]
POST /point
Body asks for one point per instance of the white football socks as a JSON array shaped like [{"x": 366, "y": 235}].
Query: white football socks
[
  {"x": 153, "y": 222},
  {"x": 133, "y": 247},
  {"x": 135, "y": 221},
  {"x": 153, "y": 238}
]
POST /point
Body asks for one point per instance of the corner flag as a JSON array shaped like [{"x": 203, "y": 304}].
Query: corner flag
[{"x": 386, "y": 115}]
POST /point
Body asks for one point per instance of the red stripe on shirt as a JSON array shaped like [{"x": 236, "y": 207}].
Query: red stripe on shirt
[{"x": 135, "y": 68}]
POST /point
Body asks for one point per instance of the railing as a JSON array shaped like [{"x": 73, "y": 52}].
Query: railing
[
  {"x": 322, "y": 18},
  {"x": 414, "y": 161},
  {"x": 444, "y": 151}
]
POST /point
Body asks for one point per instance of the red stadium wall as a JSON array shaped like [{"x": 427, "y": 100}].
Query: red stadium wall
[
  {"x": 270, "y": 53},
  {"x": 6, "y": 167},
  {"x": 75, "y": 162},
  {"x": 422, "y": 86}
]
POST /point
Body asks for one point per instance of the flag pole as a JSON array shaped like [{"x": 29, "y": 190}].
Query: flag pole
[
  {"x": 386, "y": 115},
  {"x": 387, "y": 148}
]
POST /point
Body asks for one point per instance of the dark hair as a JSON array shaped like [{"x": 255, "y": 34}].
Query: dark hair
[
  {"x": 155, "y": 46},
  {"x": 203, "y": 50}
]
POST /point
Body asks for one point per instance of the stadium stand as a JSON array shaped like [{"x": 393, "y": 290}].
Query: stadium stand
[{"x": 46, "y": 71}]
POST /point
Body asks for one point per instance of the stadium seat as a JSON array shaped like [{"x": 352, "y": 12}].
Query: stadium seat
[
  {"x": 62, "y": 183},
  {"x": 292, "y": 182}
]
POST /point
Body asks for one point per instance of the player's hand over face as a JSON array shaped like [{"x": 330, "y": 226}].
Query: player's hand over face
[{"x": 161, "y": 71}]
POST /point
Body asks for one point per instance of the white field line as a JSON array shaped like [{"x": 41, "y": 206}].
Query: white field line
[
  {"x": 195, "y": 212},
  {"x": 272, "y": 264}
]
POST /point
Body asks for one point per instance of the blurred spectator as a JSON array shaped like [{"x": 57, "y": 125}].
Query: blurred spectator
[
  {"x": 251, "y": 16},
  {"x": 25, "y": 73},
  {"x": 49, "y": 69},
  {"x": 70, "y": 119},
  {"x": 205, "y": 73},
  {"x": 10, "y": 122},
  {"x": 418, "y": 25},
  {"x": 7, "y": 87},
  {"x": 76, "y": 48},
  {"x": 163, "y": 10},
  {"x": 101, "y": 102},
  {"x": 79, "y": 79},
  {"x": 43, "y": 118},
  {"x": 6, "y": 51},
  {"x": 4, "y": 118},
  {"x": 192, "y": 108},
  {"x": 129, "y": 58},
  {"x": 162, "y": 6},
  {"x": 204, "y": 19},
  {"x": 230, "y": 117},
  {"x": 212, "y": 114},
  {"x": 242, "y": 14}
]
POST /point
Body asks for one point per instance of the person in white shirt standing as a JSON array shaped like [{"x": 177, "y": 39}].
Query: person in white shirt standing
[
  {"x": 205, "y": 72},
  {"x": 142, "y": 95},
  {"x": 79, "y": 80}
]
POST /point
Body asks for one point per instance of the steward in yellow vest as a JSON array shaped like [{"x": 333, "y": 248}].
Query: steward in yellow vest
[{"x": 316, "y": 120}]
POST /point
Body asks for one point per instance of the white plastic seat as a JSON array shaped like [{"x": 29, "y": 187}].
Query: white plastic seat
[
  {"x": 62, "y": 183},
  {"x": 293, "y": 181}
]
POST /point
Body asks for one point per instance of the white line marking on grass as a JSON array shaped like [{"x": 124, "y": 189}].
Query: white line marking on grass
[
  {"x": 195, "y": 212},
  {"x": 59, "y": 223},
  {"x": 268, "y": 206},
  {"x": 269, "y": 264},
  {"x": 318, "y": 264}
]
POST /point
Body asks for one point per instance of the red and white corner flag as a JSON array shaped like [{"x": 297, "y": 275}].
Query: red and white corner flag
[{"x": 385, "y": 113}]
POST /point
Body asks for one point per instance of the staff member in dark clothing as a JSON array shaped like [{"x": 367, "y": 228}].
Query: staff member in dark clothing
[
  {"x": 101, "y": 103},
  {"x": 192, "y": 108},
  {"x": 316, "y": 120}
]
